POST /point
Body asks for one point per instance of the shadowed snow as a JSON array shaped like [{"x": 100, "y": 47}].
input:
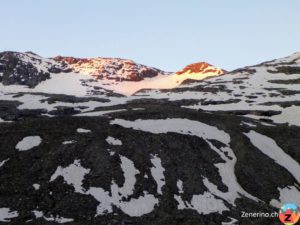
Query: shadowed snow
[
  {"x": 73, "y": 175},
  {"x": 157, "y": 172},
  {"x": 113, "y": 141},
  {"x": 6, "y": 214},
  {"x": 28, "y": 143},
  {"x": 182, "y": 126},
  {"x": 269, "y": 147}
]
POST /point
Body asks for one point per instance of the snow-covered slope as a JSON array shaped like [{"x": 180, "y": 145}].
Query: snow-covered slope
[
  {"x": 267, "y": 91},
  {"x": 117, "y": 74},
  {"x": 196, "y": 71},
  {"x": 270, "y": 91}
]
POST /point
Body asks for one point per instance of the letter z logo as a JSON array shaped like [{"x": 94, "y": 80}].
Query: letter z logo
[{"x": 287, "y": 217}]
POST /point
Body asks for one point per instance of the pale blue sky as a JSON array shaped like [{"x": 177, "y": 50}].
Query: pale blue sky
[{"x": 167, "y": 34}]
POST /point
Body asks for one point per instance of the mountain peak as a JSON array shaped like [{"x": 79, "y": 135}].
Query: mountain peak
[{"x": 200, "y": 67}]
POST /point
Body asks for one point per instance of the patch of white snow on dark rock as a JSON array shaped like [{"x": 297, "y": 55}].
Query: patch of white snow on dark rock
[{"x": 28, "y": 143}]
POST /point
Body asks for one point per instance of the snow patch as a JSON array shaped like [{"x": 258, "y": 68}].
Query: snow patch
[
  {"x": 81, "y": 130},
  {"x": 36, "y": 186},
  {"x": 290, "y": 115},
  {"x": 207, "y": 203},
  {"x": 73, "y": 175},
  {"x": 68, "y": 142},
  {"x": 248, "y": 124},
  {"x": 113, "y": 141},
  {"x": 203, "y": 204},
  {"x": 3, "y": 162},
  {"x": 100, "y": 113},
  {"x": 207, "y": 132},
  {"x": 136, "y": 206},
  {"x": 28, "y": 143},
  {"x": 182, "y": 126},
  {"x": 287, "y": 194},
  {"x": 57, "y": 84},
  {"x": 270, "y": 148},
  {"x": 58, "y": 219},
  {"x": 38, "y": 214},
  {"x": 6, "y": 214},
  {"x": 4, "y": 121},
  {"x": 157, "y": 172},
  {"x": 180, "y": 186}
]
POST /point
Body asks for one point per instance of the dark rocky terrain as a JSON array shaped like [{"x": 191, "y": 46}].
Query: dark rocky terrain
[
  {"x": 27, "y": 68},
  {"x": 202, "y": 153}
]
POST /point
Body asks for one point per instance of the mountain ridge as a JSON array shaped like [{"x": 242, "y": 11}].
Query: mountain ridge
[
  {"x": 119, "y": 75},
  {"x": 110, "y": 68}
]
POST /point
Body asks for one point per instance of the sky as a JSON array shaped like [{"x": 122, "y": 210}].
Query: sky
[{"x": 167, "y": 34}]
